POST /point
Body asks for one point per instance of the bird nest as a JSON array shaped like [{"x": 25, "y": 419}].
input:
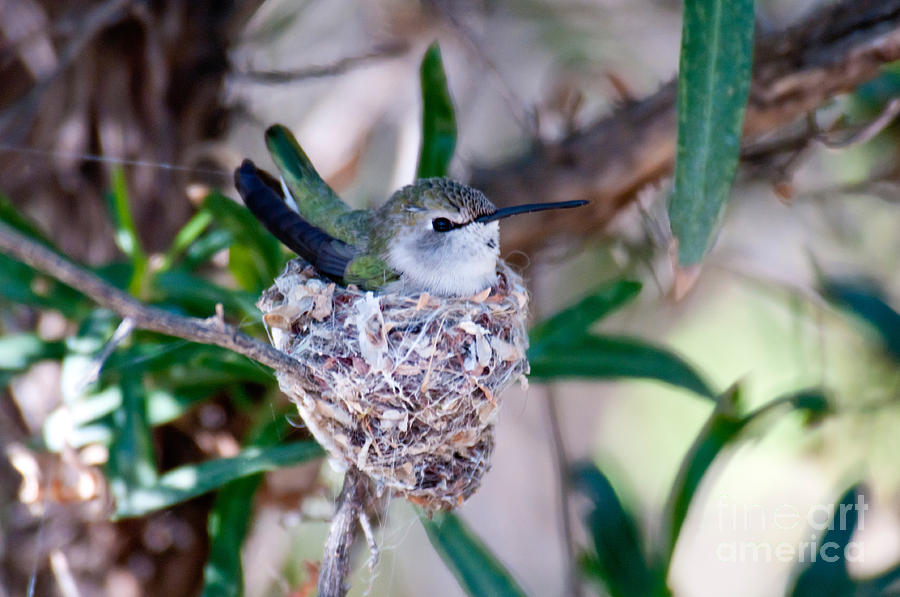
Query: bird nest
[{"x": 404, "y": 387}]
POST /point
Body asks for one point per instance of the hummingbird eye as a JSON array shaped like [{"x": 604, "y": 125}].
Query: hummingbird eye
[{"x": 441, "y": 225}]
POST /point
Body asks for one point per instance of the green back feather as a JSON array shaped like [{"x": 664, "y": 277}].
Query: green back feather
[{"x": 317, "y": 203}]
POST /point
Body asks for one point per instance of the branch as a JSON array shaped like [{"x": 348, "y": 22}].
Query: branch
[
  {"x": 831, "y": 52},
  {"x": 351, "y": 504},
  {"x": 213, "y": 330},
  {"x": 343, "y": 65}
]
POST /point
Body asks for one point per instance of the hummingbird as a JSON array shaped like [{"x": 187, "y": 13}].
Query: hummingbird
[{"x": 435, "y": 235}]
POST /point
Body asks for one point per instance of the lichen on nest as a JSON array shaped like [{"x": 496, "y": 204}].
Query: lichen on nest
[{"x": 404, "y": 387}]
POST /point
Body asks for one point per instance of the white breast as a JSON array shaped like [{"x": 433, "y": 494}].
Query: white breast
[{"x": 462, "y": 264}]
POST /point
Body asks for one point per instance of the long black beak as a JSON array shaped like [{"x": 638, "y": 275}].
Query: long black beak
[{"x": 530, "y": 207}]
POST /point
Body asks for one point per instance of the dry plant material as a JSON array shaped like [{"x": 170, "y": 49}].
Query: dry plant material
[{"x": 406, "y": 388}]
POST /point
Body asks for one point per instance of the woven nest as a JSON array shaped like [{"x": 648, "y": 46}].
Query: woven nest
[{"x": 406, "y": 388}]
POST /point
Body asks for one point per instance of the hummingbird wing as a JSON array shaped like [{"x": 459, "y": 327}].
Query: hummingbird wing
[
  {"x": 327, "y": 254},
  {"x": 317, "y": 203}
]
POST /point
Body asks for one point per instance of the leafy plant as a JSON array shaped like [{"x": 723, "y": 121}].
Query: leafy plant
[{"x": 713, "y": 82}]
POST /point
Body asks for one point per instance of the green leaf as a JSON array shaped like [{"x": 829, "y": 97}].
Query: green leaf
[
  {"x": 574, "y": 322},
  {"x": 719, "y": 430},
  {"x": 262, "y": 257},
  {"x": 827, "y": 574},
  {"x": 186, "y": 237},
  {"x": 126, "y": 235},
  {"x": 189, "y": 481},
  {"x": 867, "y": 301},
  {"x": 205, "y": 247},
  {"x": 713, "y": 83},
  {"x": 132, "y": 463},
  {"x": 723, "y": 427},
  {"x": 438, "y": 119},
  {"x": 13, "y": 217},
  {"x": 20, "y": 283},
  {"x": 198, "y": 296},
  {"x": 618, "y": 560},
  {"x": 603, "y": 357},
  {"x": 19, "y": 351},
  {"x": 227, "y": 525},
  {"x": 228, "y": 520},
  {"x": 477, "y": 569}
]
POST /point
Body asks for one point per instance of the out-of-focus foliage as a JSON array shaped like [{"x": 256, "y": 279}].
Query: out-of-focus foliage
[
  {"x": 472, "y": 563},
  {"x": 713, "y": 82},
  {"x": 438, "y": 117}
]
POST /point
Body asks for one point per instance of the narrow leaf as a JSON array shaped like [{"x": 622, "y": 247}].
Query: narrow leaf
[
  {"x": 827, "y": 574},
  {"x": 438, "y": 118},
  {"x": 132, "y": 463},
  {"x": 867, "y": 301},
  {"x": 126, "y": 235},
  {"x": 618, "y": 558},
  {"x": 722, "y": 428},
  {"x": 227, "y": 525},
  {"x": 198, "y": 296},
  {"x": 185, "y": 237},
  {"x": 477, "y": 569},
  {"x": 603, "y": 357},
  {"x": 713, "y": 83},
  {"x": 575, "y": 321},
  {"x": 265, "y": 252},
  {"x": 228, "y": 521},
  {"x": 189, "y": 481}
]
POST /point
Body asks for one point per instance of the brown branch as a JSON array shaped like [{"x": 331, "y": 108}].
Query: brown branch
[
  {"x": 831, "y": 52},
  {"x": 343, "y": 65},
  {"x": 336, "y": 558},
  {"x": 213, "y": 330}
]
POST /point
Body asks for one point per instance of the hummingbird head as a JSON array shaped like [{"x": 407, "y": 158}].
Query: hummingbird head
[{"x": 443, "y": 237}]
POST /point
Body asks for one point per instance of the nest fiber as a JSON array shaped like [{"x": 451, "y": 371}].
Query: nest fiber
[{"x": 404, "y": 387}]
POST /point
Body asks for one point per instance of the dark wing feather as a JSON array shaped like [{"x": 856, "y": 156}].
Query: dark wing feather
[{"x": 327, "y": 254}]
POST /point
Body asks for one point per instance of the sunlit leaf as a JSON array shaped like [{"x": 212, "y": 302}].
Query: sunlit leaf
[
  {"x": 186, "y": 236},
  {"x": 132, "y": 463},
  {"x": 713, "y": 83},
  {"x": 126, "y": 235},
  {"x": 438, "y": 118},
  {"x": 477, "y": 569},
  {"x": 20, "y": 351}
]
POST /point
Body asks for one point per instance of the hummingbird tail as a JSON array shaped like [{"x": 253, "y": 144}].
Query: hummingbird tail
[{"x": 327, "y": 254}]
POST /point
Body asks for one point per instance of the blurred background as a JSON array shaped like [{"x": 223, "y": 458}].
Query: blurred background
[{"x": 174, "y": 94}]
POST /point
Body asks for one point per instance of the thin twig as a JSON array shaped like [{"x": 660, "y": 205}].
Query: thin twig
[
  {"x": 122, "y": 331},
  {"x": 561, "y": 462},
  {"x": 206, "y": 331},
  {"x": 314, "y": 72},
  {"x": 830, "y": 52},
  {"x": 336, "y": 557},
  {"x": 867, "y": 132}
]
